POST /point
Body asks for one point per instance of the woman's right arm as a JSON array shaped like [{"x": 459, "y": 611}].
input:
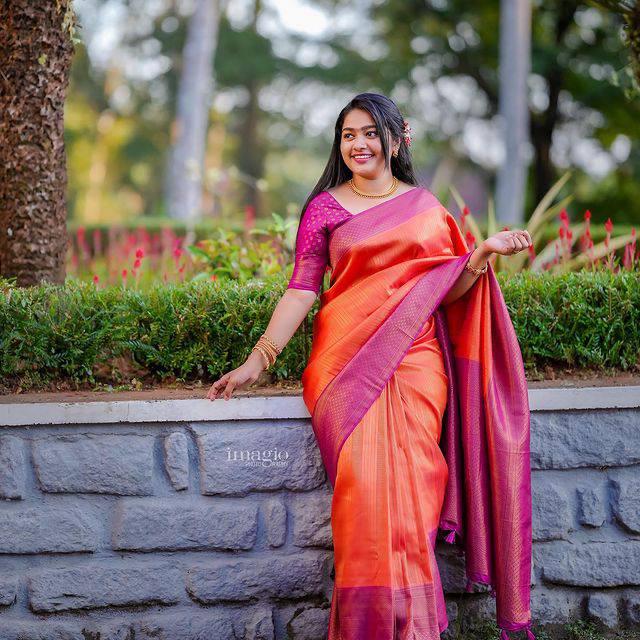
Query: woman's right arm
[
  {"x": 291, "y": 310},
  {"x": 311, "y": 259}
]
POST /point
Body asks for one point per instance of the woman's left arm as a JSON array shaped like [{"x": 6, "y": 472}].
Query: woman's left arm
[{"x": 505, "y": 243}]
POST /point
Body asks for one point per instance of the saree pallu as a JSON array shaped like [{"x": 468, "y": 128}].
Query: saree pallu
[{"x": 421, "y": 414}]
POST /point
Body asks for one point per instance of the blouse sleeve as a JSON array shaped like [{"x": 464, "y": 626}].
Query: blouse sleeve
[{"x": 312, "y": 250}]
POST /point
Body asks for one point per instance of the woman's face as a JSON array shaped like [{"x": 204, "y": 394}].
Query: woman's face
[{"x": 360, "y": 137}]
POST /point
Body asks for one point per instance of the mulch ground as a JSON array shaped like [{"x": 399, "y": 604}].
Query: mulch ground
[{"x": 66, "y": 392}]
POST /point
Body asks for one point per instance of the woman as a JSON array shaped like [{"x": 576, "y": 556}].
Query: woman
[{"x": 415, "y": 385}]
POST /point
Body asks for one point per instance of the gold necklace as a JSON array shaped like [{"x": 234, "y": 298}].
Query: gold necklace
[{"x": 394, "y": 186}]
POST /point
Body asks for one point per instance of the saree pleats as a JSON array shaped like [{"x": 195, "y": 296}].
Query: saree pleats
[
  {"x": 383, "y": 514},
  {"x": 420, "y": 413}
]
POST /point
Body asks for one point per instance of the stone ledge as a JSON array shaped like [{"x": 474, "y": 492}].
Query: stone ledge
[{"x": 265, "y": 407}]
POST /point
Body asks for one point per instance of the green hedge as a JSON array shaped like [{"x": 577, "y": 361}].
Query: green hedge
[{"x": 200, "y": 330}]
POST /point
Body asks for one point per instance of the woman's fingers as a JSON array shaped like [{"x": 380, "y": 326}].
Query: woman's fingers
[
  {"x": 217, "y": 386},
  {"x": 231, "y": 385}
]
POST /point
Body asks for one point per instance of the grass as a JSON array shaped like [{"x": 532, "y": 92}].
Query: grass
[{"x": 574, "y": 630}]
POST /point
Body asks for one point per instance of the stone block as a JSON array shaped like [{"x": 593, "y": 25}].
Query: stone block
[
  {"x": 309, "y": 624},
  {"x": 551, "y": 517},
  {"x": 603, "y": 608},
  {"x": 452, "y": 570},
  {"x": 8, "y": 590},
  {"x": 555, "y": 606},
  {"x": 596, "y": 564},
  {"x": 121, "y": 465},
  {"x": 592, "y": 508},
  {"x": 236, "y": 460},
  {"x": 42, "y": 630},
  {"x": 176, "y": 459},
  {"x": 106, "y": 584},
  {"x": 632, "y": 608},
  {"x": 625, "y": 502},
  {"x": 275, "y": 519},
  {"x": 145, "y": 524},
  {"x": 47, "y": 529},
  {"x": 311, "y": 519},
  {"x": 294, "y": 576},
  {"x": 12, "y": 468},
  {"x": 593, "y": 438}
]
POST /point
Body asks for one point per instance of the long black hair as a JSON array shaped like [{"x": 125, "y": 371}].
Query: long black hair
[{"x": 388, "y": 120}]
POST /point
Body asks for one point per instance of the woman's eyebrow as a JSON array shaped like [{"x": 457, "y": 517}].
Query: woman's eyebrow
[{"x": 367, "y": 126}]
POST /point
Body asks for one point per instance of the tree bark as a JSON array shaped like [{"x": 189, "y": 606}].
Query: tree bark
[
  {"x": 37, "y": 48},
  {"x": 186, "y": 164}
]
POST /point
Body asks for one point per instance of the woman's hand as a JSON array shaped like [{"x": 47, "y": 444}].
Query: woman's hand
[
  {"x": 507, "y": 243},
  {"x": 245, "y": 375}
]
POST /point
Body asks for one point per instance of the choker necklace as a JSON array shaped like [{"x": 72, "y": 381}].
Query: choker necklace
[{"x": 394, "y": 186}]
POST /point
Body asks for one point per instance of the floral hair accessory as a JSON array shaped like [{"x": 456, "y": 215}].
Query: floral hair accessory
[{"x": 407, "y": 133}]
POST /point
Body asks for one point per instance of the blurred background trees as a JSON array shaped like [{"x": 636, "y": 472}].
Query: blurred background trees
[
  {"x": 283, "y": 70},
  {"x": 223, "y": 110}
]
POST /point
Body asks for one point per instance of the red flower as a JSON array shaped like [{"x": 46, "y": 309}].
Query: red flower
[
  {"x": 587, "y": 215},
  {"x": 96, "y": 279},
  {"x": 140, "y": 253},
  {"x": 136, "y": 264},
  {"x": 124, "y": 274},
  {"x": 608, "y": 225}
]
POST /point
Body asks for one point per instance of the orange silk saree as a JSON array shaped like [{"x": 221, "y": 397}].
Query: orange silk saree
[{"x": 421, "y": 414}]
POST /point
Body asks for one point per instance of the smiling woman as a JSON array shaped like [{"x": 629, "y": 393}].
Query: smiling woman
[{"x": 415, "y": 386}]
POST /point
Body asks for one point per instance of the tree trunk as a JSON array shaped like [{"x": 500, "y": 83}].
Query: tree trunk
[
  {"x": 543, "y": 125},
  {"x": 36, "y": 44},
  {"x": 252, "y": 154},
  {"x": 515, "y": 63},
  {"x": 186, "y": 164}
]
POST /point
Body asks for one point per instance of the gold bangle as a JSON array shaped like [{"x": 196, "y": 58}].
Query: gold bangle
[
  {"x": 272, "y": 343},
  {"x": 264, "y": 355},
  {"x": 273, "y": 354},
  {"x": 475, "y": 270}
]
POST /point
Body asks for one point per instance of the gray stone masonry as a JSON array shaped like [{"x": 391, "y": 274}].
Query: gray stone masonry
[{"x": 221, "y": 530}]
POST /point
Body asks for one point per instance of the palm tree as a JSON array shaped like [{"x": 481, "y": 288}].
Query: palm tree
[{"x": 36, "y": 39}]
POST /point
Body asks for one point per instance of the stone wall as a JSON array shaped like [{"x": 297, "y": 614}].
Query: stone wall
[{"x": 220, "y": 529}]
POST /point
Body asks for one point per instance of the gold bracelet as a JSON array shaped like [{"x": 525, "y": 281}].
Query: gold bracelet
[
  {"x": 264, "y": 355},
  {"x": 474, "y": 270},
  {"x": 272, "y": 343},
  {"x": 273, "y": 354}
]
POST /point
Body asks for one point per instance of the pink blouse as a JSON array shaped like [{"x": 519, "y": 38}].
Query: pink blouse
[{"x": 321, "y": 217}]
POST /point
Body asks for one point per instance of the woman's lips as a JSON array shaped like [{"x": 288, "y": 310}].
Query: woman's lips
[{"x": 363, "y": 159}]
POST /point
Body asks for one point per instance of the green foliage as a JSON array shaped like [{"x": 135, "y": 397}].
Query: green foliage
[
  {"x": 581, "y": 320},
  {"x": 227, "y": 257},
  {"x": 583, "y": 630},
  {"x": 203, "y": 329}
]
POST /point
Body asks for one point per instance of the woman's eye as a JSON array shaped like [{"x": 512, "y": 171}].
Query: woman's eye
[{"x": 368, "y": 132}]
